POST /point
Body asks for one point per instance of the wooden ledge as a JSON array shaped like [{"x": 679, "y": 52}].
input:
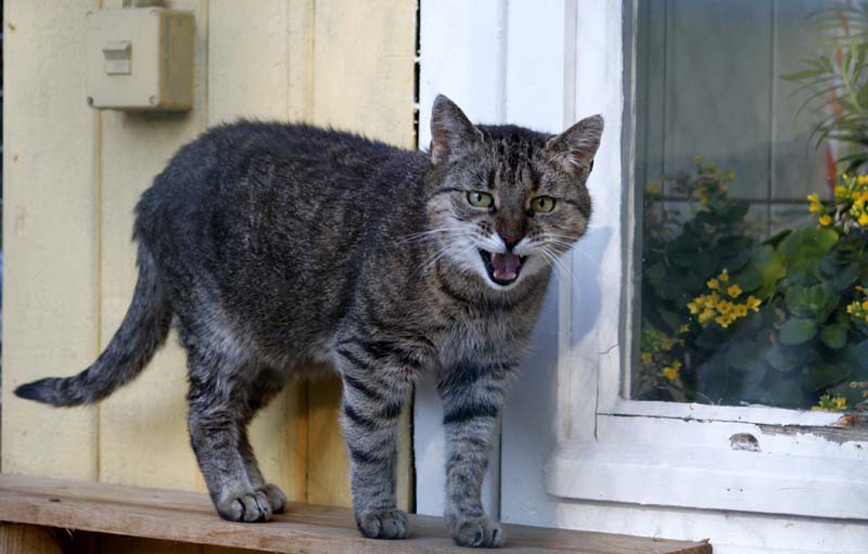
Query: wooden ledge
[{"x": 190, "y": 517}]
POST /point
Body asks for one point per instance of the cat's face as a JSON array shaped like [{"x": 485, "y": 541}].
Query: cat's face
[{"x": 505, "y": 202}]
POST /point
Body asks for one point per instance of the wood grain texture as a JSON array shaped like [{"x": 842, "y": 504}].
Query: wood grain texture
[
  {"x": 362, "y": 82},
  {"x": 27, "y": 539},
  {"x": 50, "y": 240},
  {"x": 249, "y": 61},
  {"x": 142, "y": 428},
  {"x": 189, "y": 517},
  {"x": 73, "y": 176}
]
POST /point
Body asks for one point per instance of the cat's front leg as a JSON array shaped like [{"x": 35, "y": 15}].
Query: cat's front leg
[
  {"x": 375, "y": 389},
  {"x": 472, "y": 400}
]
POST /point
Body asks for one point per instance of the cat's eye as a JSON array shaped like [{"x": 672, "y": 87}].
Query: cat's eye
[
  {"x": 542, "y": 204},
  {"x": 480, "y": 199}
]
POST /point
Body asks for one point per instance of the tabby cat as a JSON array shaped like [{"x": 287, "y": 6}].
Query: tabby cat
[{"x": 271, "y": 246}]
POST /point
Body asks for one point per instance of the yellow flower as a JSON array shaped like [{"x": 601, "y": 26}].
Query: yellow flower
[
  {"x": 734, "y": 291},
  {"x": 862, "y": 180},
  {"x": 859, "y": 204},
  {"x": 684, "y": 328},
  {"x": 753, "y": 303},
  {"x": 724, "y": 307},
  {"x": 723, "y": 320},
  {"x": 711, "y": 300},
  {"x": 706, "y": 316},
  {"x": 671, "y": 372},
  {"x": 730, "y": 176},
  {"x": 840, "y": 191},
  {"x": 865, "y": 305},
  {"x": 693, "y": 307},
  {"x": 840, "y": 403},
  {"x": 713, "y": 284},
  {"x": 864, "y": 196},
  {"x": 863, "y": 220},
  {"x": 814, "y": 198},
  {"x": 712, "y": 166},
  {"x": 646, "y": 358},
  {"x": 740, "y": 310},
  {"x": 815, "y": 207},
  {"x": 851, "y": 308},
  {"x": 724, "y": 276},
  {"x": 653, "y": 189},
  {"x": 825, "y": 220},
  {"x": 697, "y": 160},
  {"x": 667, "y": 344}
]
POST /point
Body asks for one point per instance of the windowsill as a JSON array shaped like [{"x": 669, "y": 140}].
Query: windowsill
[{"x": 711, "y": 479}]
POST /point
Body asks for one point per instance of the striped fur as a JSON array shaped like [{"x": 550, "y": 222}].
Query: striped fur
[{"x": 272, "y": 247}]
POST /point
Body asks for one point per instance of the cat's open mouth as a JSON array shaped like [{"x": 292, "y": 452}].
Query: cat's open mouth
[{"x": 503, "y": 268}]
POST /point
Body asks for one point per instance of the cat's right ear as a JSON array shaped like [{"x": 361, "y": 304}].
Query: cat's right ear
[{"x": 452, "y": 134}]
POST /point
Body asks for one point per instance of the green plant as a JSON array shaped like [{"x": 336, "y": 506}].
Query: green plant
[
  {"x": 836, "y": 81},
  {"x": 730, "y": 319}
]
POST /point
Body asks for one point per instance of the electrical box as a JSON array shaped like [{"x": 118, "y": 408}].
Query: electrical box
[{"x": 140, "y": 59}]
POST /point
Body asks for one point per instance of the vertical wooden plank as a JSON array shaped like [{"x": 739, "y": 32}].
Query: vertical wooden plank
[
  {"x": 541, "y": 72},
  {"x": 27, "y": 539},
  {"x": 364, "y": 53},
  {"x": 249, "y": 74},
  {"x": 362, "y": 81},
  {"x": 51, "y": 244},
  {"x": 143, "y": 435},
  {"x": 300, "y": 40},
  {"x": 463, "y": 53},
  {"x": 248, "y": 60}
]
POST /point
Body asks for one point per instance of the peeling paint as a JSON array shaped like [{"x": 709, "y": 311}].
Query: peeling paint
[
  {"x": 849, "y": 428},
  {"x": 744, "y": 441}
]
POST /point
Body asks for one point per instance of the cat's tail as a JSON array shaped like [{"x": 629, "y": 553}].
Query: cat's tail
[{"x": 142, "y": 331}]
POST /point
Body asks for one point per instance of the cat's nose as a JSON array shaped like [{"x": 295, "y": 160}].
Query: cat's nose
[{"x": 510, "y": 239}]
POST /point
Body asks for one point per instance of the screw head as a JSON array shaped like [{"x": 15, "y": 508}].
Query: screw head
[{"x": 90, "y": 100}]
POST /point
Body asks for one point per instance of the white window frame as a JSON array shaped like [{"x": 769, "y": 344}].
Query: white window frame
[
  {"x": 544, "y": 65},
  {"x": 664, "y": 453}
]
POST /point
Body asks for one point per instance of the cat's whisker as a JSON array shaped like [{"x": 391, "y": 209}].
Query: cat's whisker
[{"x": 430, "y": 234}]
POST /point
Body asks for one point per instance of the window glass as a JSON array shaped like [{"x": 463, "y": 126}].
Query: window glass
[{"x": 752, "y": 116}]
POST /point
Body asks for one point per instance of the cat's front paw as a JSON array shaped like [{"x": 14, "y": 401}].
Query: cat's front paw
[
  {"x": 382, "y": 524},
  {"x": 249, "y": 507},
  {"x": 275, "y": 497},
  {"x": 477, "y": 532}
]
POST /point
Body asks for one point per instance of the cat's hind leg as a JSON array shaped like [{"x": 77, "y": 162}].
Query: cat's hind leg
[{"x": 224, "y": 395}]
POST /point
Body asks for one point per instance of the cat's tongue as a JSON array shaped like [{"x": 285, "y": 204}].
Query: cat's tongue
[{"x": 505, "y": 265}]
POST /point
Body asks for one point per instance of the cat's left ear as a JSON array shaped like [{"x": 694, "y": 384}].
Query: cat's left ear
[{"x": 575, "y": 148}]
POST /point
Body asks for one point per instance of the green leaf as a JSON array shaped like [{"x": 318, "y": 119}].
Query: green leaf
[
  {"x": 844, "y": 278},
  {"x": 777, "y": 359},
  {"x": 655, "y": 273},
  {"x": 771, "y": 264},
  {"x": 834, "y": 336},
  {"x": 862, "y": 355},
  {"x": 797, "y": 331},
  {"x": 749, "y": 279},
  {"x": 805, "y": 248}
]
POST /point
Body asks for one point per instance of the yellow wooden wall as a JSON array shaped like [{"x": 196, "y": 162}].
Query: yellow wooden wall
[{"x": 72, "y": 176}]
